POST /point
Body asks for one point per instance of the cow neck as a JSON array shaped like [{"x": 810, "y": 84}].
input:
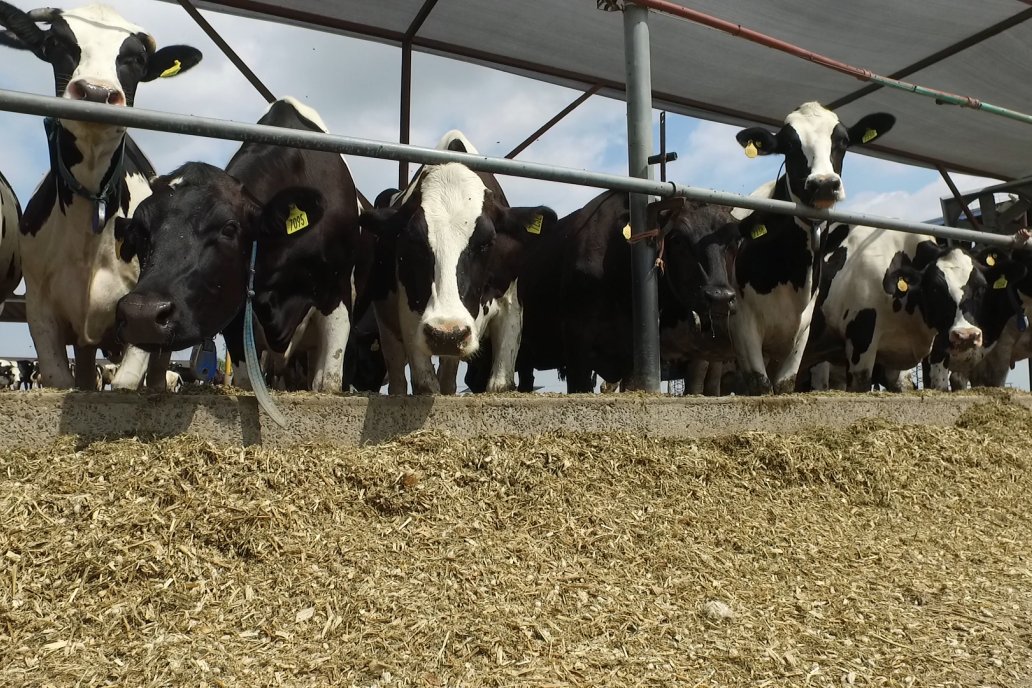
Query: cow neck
[{"x": 108, "y": 198}]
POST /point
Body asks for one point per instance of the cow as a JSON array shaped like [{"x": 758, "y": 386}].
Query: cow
[
  {"x": 458, "y": 248},
  {"x": 27, "y": 373},
  {"x": 10, "y": 256},
  {"x": 9, "y": 374},
  {"x": 97, "y": 174},
  {"x": 579, "y": 286},
  {"x": 776, "y": 268},
  {"x": 887, "y": 296},
  {"x": 194, "y": 237}
]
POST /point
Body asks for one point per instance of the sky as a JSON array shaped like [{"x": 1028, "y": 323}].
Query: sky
[{"x": 354, "y": 85}]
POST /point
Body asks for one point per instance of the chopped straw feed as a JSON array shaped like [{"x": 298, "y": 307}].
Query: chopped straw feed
[{"x": 876, "y": 555}]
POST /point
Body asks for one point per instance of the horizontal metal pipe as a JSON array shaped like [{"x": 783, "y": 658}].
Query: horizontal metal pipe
[{"x": 31, "y": 104}]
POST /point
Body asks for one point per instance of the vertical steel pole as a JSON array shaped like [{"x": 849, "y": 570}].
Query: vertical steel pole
[
  {"x": 404, "y": 126},
  {"x": 644, "y": 291}
]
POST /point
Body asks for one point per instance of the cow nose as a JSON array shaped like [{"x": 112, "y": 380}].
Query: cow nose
[
  {"x": 720, "y": 299},
  {"x": 965, "y": 338},
  {"x": 81, "y": 89},
  {"x": 824, "y": 185},
  {"x": 446, "y": 340},
  {"x": 144, "y": 319}
]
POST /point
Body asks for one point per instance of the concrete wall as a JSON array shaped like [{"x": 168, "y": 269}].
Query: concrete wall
[{"x": 32, "y": 418}]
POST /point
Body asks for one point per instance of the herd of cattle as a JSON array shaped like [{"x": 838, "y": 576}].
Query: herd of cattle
[{"x": 347, "y": 293}]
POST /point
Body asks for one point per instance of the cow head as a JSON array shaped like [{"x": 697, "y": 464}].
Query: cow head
[
  {"x": 955, "y": 294},
  {"x": 699, "y": 241},
  {"x": 452, "y": 235},
  {"x": 814, "y": 144},
  {"x": 97, "y": 56},
  {"x": 193, "y": 238}
]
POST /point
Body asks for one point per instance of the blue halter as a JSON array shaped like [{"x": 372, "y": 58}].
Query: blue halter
[{"x": 254, "y": 369}]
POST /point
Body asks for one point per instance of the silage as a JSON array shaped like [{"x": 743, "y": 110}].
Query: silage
[{"x": 876, "y": 555}]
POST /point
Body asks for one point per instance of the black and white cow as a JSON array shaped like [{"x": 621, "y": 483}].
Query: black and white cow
[
  {"x": 458, "y": 250},
  {"x": 73, "y": 276},
  {"x": 776, "y": 269},
  {"x": 28, "y": 371},
  {"x": 10, "y": 255},
  {"x": 194, "y": 237},
  {"x": 887, "y": 296}
]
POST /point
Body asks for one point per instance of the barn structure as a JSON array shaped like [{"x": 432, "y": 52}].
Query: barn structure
[{"x": 726, "y": 61}]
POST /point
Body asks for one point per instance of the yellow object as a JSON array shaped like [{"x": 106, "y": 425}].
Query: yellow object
[
  {"x": 758, "y": 231},
  {"x": 902, "y": 285},
  {"x": 1001, "y": 283},
  {"x": 869, "y": 135},
  {"x": 176, "y": 67},
  {"x": 535, "y": 226},
  {"x": 990, "y": 260},
  {"x": 627, "y": 232},
  {"x": 750, "y": 150},
  {"x": 296, "y": 220}
]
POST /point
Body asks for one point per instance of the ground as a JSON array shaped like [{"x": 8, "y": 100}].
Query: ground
[{"x": 879, "y": 554}]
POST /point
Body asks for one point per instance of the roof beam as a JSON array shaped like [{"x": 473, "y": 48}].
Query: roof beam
[
  {"x": 405, "y": 117},
  {"x": 935, "y": 58},
  {"x": 554, "y": 121}
]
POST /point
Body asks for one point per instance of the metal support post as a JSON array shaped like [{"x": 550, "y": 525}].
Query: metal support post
[
  {"x": 644, "y": 288},
  {"x": 405, "y": 126}
]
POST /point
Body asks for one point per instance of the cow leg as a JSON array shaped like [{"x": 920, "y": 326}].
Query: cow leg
[
  {"x": 695, "y": 382},
  {"x": 157, "y": 366},
  {"x": 86, "y": 368},
  {"x": 130, "y": 373},
  {"x": 392, "y": 348},
  {"x": 447, "y": 372},
  {"x": 328, "y": 362},
  {"x": 506, "y": 329},
  {"x": 940, "y": 375},
  {"x": 820, "y": 377},
  {"x": 749, "y": 352},
  {"x": 50, "y": 347},
  {"x": 711, "y": 385}
]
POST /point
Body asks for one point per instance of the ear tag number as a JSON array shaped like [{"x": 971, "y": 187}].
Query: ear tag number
[
  {"x": 535, "y": 226},
  {"x": 869, "y": 136},
  {"x": 176, "y": 67},
  {"x": 902, "y": 286},
  {"x": 750, "y": 150},
  {"x": 297, "y": 219},
  {"x": 990, "y": 260},
  {"x": 627, "y": 232},
  {"x": 758, "y": 231},
  {"x": 1000, "y": 283}
]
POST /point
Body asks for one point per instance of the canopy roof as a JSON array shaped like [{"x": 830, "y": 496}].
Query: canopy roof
[{"x": 980, "y": 49}]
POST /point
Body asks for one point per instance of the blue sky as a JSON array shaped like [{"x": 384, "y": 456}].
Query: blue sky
[{"x": 354, "y": 85}]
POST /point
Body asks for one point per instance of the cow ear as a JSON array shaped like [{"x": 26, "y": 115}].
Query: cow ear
[
  {"x": 384, "y": 198},
  {"x": 21, "y": 32},
  {"x": 927, "y": 253},
  {"x": 659, "y": 214},
  {"x": 757, "y": 141},
  {"x": 171, "y": 61},
  {"x": 382, "y": 222},
  {"x": 528, "y": 222},
  {"x": 292, "y": 211},
  {"x": 870, "y": 128},
  {"x": 130, "y": 239}
]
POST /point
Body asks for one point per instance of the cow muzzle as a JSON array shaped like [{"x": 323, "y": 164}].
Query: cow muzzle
[
  {"x": 144, "y": 320},
  {"x": 449, "y": 339},
  {"x": 965, "y": 338},
  {"x": 825, "y": 190},
  {"x": 81, "y": 89},
  {"x": 719, "y": 300}
]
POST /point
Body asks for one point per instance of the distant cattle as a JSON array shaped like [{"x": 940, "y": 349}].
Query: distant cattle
[
  {"x": 776, "y": 272},
  {"x": 457, "y": 250},
  {"x": 887, "y": 296},
  {"x": 28, "y": 373},
  {"x": 97, "y": 174},
  {"x": 195, "y": 234},
  {"x": 9, "y": 374}
]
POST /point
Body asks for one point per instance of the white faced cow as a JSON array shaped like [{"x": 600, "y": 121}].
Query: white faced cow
[
  {"x": 73, "y": 276},
  {"x": 457, "y": 250},
  {"x": 777, "y": 266}
]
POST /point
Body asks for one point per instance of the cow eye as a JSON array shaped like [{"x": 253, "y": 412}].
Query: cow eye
[{"x": 230, "y": 230}]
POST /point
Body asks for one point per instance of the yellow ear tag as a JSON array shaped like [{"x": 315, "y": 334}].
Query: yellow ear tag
[
  {"x": 990, "y": 260},
  {"x": 869, "y": 135},
  {"x": 758, "y": 231},
  {"x": 627, "y": 232},
  {"x": 1001, "y": 283},
  {"x": 902, "y": 285},
  {"x": 176, "y": 67},
  {"x": 535, "y": 226},
  {"x": 750, "y": 150},
  {"x": 297, "y": 219}
]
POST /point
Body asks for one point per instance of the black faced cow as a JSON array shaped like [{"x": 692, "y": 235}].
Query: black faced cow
[
  {"x": 887, "y": 296},
  {"x": 776, "y": 267},
  {"x": 73, "y": 276},
  {"x": 458, "y": 250},
  {"x": 194, "y": 239}
]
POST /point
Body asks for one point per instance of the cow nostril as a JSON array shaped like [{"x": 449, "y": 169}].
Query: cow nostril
[{"x": 163, "y": 313}]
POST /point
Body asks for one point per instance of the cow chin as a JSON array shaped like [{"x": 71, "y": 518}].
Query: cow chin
[
  {"x": 824, "y": 203},
  {"x": 436, "y": 339}
]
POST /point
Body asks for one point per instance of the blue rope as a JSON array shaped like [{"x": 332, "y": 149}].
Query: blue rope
[{"x": 254, "y": 369}]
